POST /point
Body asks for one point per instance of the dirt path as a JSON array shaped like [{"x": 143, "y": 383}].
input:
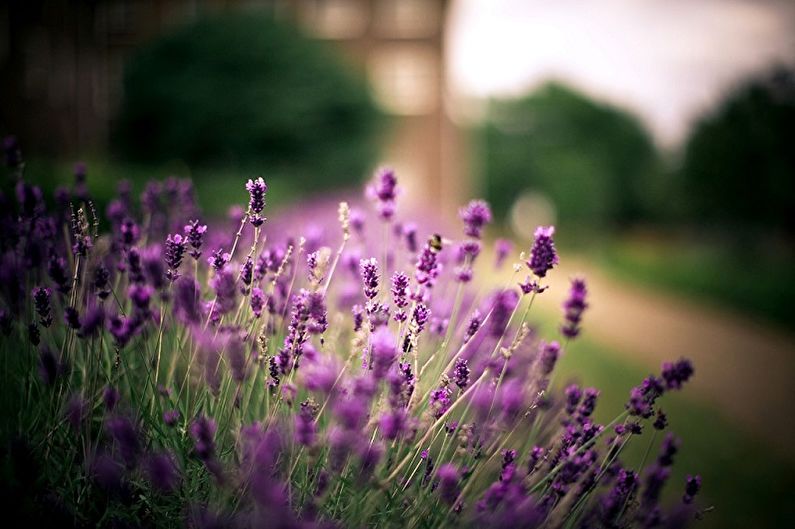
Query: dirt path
[{"x": 744, "y": 368}]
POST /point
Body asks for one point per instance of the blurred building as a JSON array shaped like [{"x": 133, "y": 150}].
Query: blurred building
[{"x": 62, "y": 62}]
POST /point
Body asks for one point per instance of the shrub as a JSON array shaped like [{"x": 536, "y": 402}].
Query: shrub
[{"x": 247, "y": 90}]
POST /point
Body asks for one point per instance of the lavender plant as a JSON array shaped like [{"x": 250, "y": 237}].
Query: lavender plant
[{"x": 346, "y": 380}]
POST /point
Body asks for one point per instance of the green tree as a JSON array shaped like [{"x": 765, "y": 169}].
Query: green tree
[
  {"x": 596, "y": 162},
  {"x": 245, "y": 90},
  {"x": 739, "y": 162}
]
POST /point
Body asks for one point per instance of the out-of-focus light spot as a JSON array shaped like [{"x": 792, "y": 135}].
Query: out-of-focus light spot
[{"x": 530, "y": 210}]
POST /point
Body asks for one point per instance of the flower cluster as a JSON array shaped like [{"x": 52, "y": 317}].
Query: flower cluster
[{"x": 282, "y": 383}]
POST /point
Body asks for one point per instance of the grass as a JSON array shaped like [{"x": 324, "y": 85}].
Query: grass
[{"x": 760, "y": 284}]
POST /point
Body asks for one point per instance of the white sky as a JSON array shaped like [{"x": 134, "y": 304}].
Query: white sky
[{"x": 664, "y": 59}]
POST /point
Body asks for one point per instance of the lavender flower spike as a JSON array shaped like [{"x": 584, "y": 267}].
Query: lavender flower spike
[
  {"x": 41, "y": 301},
  {"x": 194, "y": 233},
  {"x": 475, "y": 216},
  {"x": 174, "y": 252},
  {"x": 383, "y": 191},
  {"x": 256, "y": 191},
  {"x": 543, "y": 255},
  {"x": 369, "y": 271},
  {"x": 573, "y": 308}
]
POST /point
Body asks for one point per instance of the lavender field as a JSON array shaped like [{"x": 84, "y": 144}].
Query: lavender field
[
  {"x": 165, "y": 372},
  {"x": 397, "y": 264}
]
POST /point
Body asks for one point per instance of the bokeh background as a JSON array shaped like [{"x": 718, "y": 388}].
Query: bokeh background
[{"x": 659, "y": 136}]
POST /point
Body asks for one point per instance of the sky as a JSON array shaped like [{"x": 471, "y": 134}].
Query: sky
[{"x": 666, "y": 60}]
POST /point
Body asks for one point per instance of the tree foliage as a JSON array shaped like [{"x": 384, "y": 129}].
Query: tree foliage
[
  {"x": 246, "y": 90},
  {"x": 739, "y": 163},
  {"x": 594, "y": 161}
]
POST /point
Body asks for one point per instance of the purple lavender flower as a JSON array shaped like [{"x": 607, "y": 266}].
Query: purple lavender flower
[
  {"x": 625, "y": 486},
  {"x": 41, "y": 302},
  {"x": 448, "y": 482},
  {"x": 186, "y": 300},
  {"x": 548, "y": 357},
  {"x": 505, "y": 302},
  {"x": 358, "y": 317},
  {"x": 126, "y": 435},
  {"x": 257, "y": 301},
  {"x": 256, "y": 203},
  {"x": 475, "y": 216},
  {"x": 170, "y": 417},
  {"x": 668, "y": 449},
  {"x": 384, "y": 352},
  {"x": 369, "y": 271},
  {"x": 543, "y": 256},
  {"x": 573, "y": 308},
  {"x": 692, "y": 486},
  {"x": 305, "y": 428},
  {"x": 174, "y": 252},
  {"x": 58, "y": 272},
  {"x": 677, "y": 373},
  {"x": 101, "y": 282},
  {"x": 246, "y": 275},
  {"x": 129, "y": 233},
  {"x": 475, "y": 321},
  {"x": 225, "y": 291},
  {"x": 401, "y": 385},
  {"x": 194, "y": 233},
  {"x": 202, "y": 430},
  {"x": 71, "y": 318},
  {"x": 393, "y": 424},
  {"x": 656, "y": 476},
  {"x": 502, "y": 249},
  {"x": 400, "y": 286},
  {"x": 661, "y": 421},
  {"x": 588, "y": 402},
  {"x": 383, "y": 191},
  {"x": 410, "y": 236},
  {"x": 161, "y": 470},
  {"x": 461, "y": 373},
  {"x": 428, "y": 266},
  {"x": 420, "y": 316},
  {"x": 218, "y": 259},
  {"x": 440, "y": 401},
  {"x": 573, "y": 396}
]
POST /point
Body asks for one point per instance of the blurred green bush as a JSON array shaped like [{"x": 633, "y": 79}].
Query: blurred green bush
[
  {"x": 595, "y": 162},
  {"x": 244, "y": 90},
  {"x": 739, "y": 163}
]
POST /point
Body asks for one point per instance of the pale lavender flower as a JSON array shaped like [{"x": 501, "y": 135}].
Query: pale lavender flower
[
  {"x": 174, "y": 252},
  {"x": 461, "y": 373},
  {"x": 543, "y": 255},
  {"x": 475, "y": 216},
  {"x": 369, "y": 271},
  {"x": 194, "y": 233},
  {"x": 41, "y": 302},
  {"x": 256, "y": 191},
  {"x": 383, "y": 191},
  {"x": 573, "y": 308}
]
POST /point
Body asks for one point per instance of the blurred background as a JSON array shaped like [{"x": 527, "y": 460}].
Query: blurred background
[{"x": 659, "y": 136}]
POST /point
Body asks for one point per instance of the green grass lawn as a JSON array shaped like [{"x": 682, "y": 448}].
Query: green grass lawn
[
  {"x": 747, "y": 484},
  {"x": 759, "y": 284}
]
